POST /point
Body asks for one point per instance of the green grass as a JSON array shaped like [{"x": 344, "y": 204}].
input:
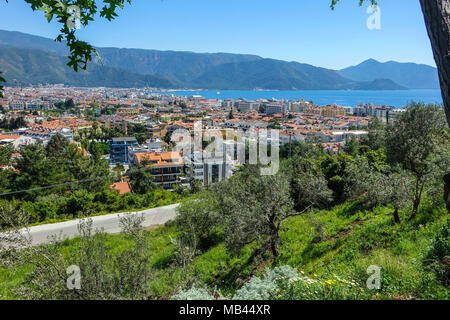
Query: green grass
[{"x": 350, "y": 241}]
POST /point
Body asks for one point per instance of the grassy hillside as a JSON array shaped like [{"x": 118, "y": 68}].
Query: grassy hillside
[{"x": 341, "y": 242}]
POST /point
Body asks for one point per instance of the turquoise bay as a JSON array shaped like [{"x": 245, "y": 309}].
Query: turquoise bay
[{"x": 395, "y": 98}]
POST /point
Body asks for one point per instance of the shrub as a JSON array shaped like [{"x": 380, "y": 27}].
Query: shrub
[
  {"x": 438, "y": 256},
  {"x": 265, "y": 287},
  {"x": 285, "y": 283},
  {"x": 40, "y": 211},
  {"x": 193, "y": 293},
  {"x": 197, "y": 221},
  {"x": 79, "y": 202}
]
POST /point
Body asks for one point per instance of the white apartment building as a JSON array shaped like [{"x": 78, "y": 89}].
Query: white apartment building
[
  {"x": 300, "y": 106},
  {"x": 247, "y": 106},
  {"x": 17, "y": 106},
  {"x": 33, "y": 106},
  {"x": 209, "y": 170},
  {"x": 274, "y": 108}
]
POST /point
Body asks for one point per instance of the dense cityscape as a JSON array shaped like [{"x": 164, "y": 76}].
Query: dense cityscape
[{"x": 42, "y": 112}]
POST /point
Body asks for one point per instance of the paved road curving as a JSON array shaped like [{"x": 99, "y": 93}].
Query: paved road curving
[{"x": 109, "y": 223}]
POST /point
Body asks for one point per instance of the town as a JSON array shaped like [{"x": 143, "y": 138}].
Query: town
[{"x": 135, "y": 126}]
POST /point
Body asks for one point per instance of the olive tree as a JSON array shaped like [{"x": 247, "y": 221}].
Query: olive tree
[
  {"x": 253, "y": 207},
  {"x": 308, "y": 185},
  {"x": 418, "y": 142},
  {"x": 373, "y": 186},
  {"x": 197, "y": 221}
]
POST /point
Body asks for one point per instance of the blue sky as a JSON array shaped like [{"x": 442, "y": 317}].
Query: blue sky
[{"x": 295, "y": 30}]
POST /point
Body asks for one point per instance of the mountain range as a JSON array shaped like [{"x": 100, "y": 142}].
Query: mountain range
[
  {"x": 409, "y": 75},
  {"x": 29, "y": 60}
]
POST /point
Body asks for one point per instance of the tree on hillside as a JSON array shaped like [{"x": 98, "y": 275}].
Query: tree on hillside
[
  {"x": 58, "y": 172},
  {"x": 437, "y": 20},
  {"x": 56, "y": 145},
  {"x": 5, "y": 173},
  {"x": 252, "y": 207},
  {"x": 371, "y": 186},
  {"x": 69, "y": 104},
  {"x": 309, "y": 188},
  {"x": 98, "y": 149},
  {"x": 375, "y": 137},
  {"x": 34, "y": 169},
  {"x": 141, "y": 180},
  {"x": 418, "y": 142},
  {"x": 197, "y": 221},
  {"x": 5, "y": 154},
  {"x": 94, "y": 174}
]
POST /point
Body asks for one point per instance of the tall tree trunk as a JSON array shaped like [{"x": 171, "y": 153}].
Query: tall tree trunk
[
  {"x": 274, "y": 247},
  {"x": 274, "y": 239},
  {"x": 416, "y": 204},
  {"x": 437, "y": 20},
  {"x": 447, "y": 191},
  {"x": 417, "y": 197},
  {"x": 396, "y": 216}
]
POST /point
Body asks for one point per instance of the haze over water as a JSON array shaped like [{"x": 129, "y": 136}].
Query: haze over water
[{"x": 395, "y": 98}]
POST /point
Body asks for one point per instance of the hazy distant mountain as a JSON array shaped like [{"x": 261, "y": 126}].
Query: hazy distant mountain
[
  {"x": 27, "y": 66},
  {"x": 139, "y": 67},
  {"x": 14, "y": 39},
  {"x": 179, "y": 66},
  {"x": 378, "y": 84},
  {"x": 410, "y": 75},
  {"x": 276, "y": 74}
]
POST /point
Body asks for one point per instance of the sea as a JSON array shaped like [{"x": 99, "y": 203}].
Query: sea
[{"x": 393, "y": 98}]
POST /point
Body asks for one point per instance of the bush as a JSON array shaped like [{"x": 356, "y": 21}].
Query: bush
[
  {"x": 197, "y": 221},
  {"x": 264, "y": 288},
  {"x": 285, "y": 283},
  {"x": 193, "y": 293},
  {"x": 79, "y": 202},
  {"x": 40, "y": 211},
  {"x": 438, "y": 256}
]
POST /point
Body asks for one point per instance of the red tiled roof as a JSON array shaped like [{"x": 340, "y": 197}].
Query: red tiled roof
[{"x": 123, "y": 187}]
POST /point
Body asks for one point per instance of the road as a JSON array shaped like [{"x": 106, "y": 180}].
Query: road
[{"x": 109, "y": 223}]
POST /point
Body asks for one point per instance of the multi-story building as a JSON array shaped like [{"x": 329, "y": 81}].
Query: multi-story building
[
  {"x": 208, "y": 170},
  {"x": 275, "y": 107},
  {"x": 333, "y": 111},
  {"x": 165, "y": 167},
  {"x": 17, "y": 106},
  {"x": 247, "y": 106},
  {"x": 33, "y": 106},
  {"x": 119, "y": 147},
  {"x": 300, "y": 106}
]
